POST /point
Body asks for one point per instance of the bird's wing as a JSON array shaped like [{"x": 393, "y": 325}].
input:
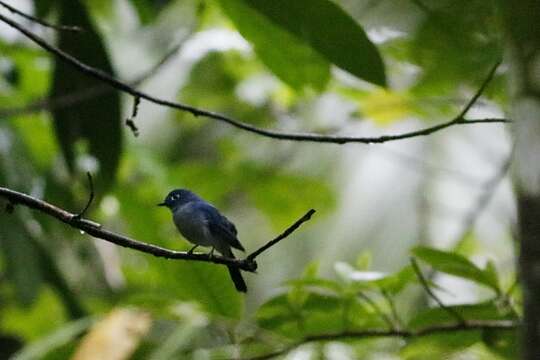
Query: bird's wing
[{"x": 220, "y": 226}]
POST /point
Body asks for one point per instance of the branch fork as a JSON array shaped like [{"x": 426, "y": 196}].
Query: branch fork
[
  {"x": 278, "y": 135},
  {"x": 95, "y": 229}
]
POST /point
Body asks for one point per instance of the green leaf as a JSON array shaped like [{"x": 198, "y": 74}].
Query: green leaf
[
  {"x": 311, "y": 270},
  {"x": 394, "y": 283},
  {"x": 210, "y": 285},
  {"x": 330, "y": 31},
  {"x": 297, "y": 296},
  {"x": 148, "y": 9},
  {"x": 322, "y": 284},
  {"x": 437, "y": 316},
  {"x": 444, "y": 344},
  {"x": 439, "y": 346},
  {"x": 363, "y": 261},
  {"x": 456, "y": 265},
  {"x": 95, "y": 120},
  {"x": 318, "y": 313},
  {"x": 288, "y": 57}
]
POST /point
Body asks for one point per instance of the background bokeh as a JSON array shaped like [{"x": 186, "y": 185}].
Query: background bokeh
[{"x": 447, "y": 190}]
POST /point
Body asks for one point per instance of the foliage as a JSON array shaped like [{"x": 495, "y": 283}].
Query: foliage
[
  {"x": 328, "y": 66},
  {"x": 102, "y": 111}
]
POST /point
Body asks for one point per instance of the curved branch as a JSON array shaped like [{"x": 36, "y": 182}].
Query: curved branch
[
  {"x": 94, "y": 229},
  {"x": 450, "y": 310},
  {"x": 281, "y": 236},
  {"x": 306, "y": 137},
  {"x": 90, "y": 197},
  {"x": 473, "y": 325},
  {"x": 130, "y": 121},
  {"x": 70, "y": 99}
]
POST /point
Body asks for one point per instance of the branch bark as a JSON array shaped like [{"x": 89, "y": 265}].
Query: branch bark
[
  {"x": 304, "y": 137},
  {"x": 523, "y": 30},
  {"x": 92, "y": 228},
  {"x": 471, "y": 325},
  {"x": 521, "y": 20}
]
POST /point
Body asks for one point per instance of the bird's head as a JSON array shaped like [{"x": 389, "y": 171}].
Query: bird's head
[{"x": 178, "y": 197}]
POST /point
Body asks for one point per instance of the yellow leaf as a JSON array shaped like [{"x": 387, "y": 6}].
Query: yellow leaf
[
  {"x": 115, "y": 337},
  {"x": 385, "y": 107}
]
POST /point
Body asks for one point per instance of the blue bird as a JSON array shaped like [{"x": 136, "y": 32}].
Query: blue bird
[{"x": 203, "y": 225}]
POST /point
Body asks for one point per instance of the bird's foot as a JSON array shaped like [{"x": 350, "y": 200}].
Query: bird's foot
[
  {"x": 190, "y": 251},
  {"x": 211, "y": 253}
]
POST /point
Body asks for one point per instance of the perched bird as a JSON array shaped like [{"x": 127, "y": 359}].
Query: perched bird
[{"x": 202, "y": 224}]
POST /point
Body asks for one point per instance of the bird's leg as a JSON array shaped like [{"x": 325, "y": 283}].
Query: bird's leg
[
  {"x": 211, "y": 253},
  {"x": 192, "y": 249}
]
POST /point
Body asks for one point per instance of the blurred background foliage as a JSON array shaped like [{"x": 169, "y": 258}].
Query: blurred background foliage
[{"x": 348, "y": 67}]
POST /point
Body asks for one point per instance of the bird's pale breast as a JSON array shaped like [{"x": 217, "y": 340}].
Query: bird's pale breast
[{"x": 193, "y": 225}]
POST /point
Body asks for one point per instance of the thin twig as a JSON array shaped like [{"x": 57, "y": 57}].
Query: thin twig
[
  {"x": 432, "y": 295},
  {"x": 282, "y": 236},
  {"x": 377, "y": 309},
  {"x": 129, "y": 121},
  {"x": 486, "y": 195},
  {"x": 392, "y": 306},
  {"x": 66, "y": 100},
  {"x": 472, "y": 325},
  {"x": 480, "y": 90},
  {"x": 90, "y": 197},
  {"x": 94, "y": 229},
  {"x": 306, "y": 137},
  {"x": 39, "y": 21}
]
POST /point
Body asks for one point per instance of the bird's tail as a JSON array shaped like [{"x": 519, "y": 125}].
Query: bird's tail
[
  {"x": 237, "y": 279},
  {"x": 235, "y": 273}
]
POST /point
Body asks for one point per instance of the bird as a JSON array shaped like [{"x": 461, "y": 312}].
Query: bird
[{"x": 202, "y": 224}]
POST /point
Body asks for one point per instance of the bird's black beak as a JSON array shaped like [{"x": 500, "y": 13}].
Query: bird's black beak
[{"x": 162, "y": 204}]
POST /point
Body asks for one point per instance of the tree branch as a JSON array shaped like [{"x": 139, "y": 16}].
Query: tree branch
[
  {"x": 282, "y": 236},
  {"x": 480, "y": 90},
  {"x": 39, "y": 21},
  {"x": 485, "y": 196},
  {"x": 66, "y": 100},
  {"x": 473, "y": 325},
  {"x": 94, "y": 229},
  {"x": 432, "y": 295},
  {"x": 130, "y": 123},
  {"x": 305, "y": 137},
  {"x": 90, "y": 197},
  {"x": 376, "y": 308}
]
